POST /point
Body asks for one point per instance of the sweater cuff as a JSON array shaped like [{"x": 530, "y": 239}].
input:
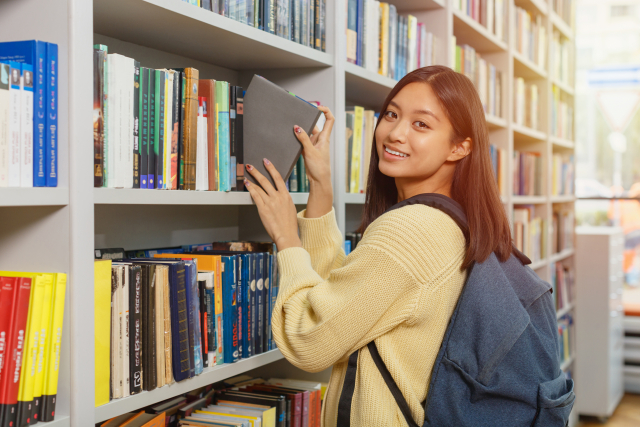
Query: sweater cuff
[
  {"x": 294, "y": 261},
  {"x": 319, "y": 232}
]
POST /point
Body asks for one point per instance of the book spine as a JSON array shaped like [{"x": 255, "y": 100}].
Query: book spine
[
  {"x": 166, "y": 153},
  {"x": 202, "y": 299},
  {"x": 253, "y": 302},
  {"x": 211, "y": 332},
  {"x": 183, "y": 83},
  {"x": 135, "y": 330},
  {"x": 239, "y": 138},
  {"x": 136, "y": 124},
  {"x": 144, "y": 127},
  {"x": 259, "y": 337},
  {"x": 239, "y": 306},
  {"x": 246, "y": 307},
  {"x": 124, "y": 331},
  {"x": 8, "y": 289},
  {"x": 26, "y": 127},
  {"x": 144, "y": 314},
  {"x": 190, "y": 128},
  {"x": 13, "y": 155},
  {"x": 190, "y": 325},
  {"x": 232, "y": 137},
  {"x": 317, "y": 32},
  {"x": 230, "y": 311},
  {"x": 158, "y": 147},
  {"x": 5, "y": 69},
  {"x": 195, "y": 320},
  {"x": 151, "y": 328},
  {"x": 43, "y": 340},
  {"x": 219, "y": 312},
  {"x": 179, "y": 324},
  {"x": 267, "y": 303},
  {"x": 269, "y": 18},
  {"x": 39, "y": 114},
  {"x": 222, "y": 105},
  {"x": 159, "y": 325},
  {"x": 153, "y": 134},
  {"x": 98, "y": 119},
  {"x": 270, "y": 301},
  {"x": 175, "y": 131},
  {"x": 52, "y": 116}
]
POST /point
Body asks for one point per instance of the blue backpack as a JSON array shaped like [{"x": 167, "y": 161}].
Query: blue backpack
[{"x": 499, "y": 362}]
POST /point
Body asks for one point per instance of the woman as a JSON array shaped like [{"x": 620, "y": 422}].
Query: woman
[{"x": 401, "y": 284}]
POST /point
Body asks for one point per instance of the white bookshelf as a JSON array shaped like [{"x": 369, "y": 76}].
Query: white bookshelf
[{"x": 60, "y": 227}]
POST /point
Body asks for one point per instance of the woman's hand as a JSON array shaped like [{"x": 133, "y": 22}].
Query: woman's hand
[
  {"x": 317, "y": 161},
  {"x": 275, "y": 206}
]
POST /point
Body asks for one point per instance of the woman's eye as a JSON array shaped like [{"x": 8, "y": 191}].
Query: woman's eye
[
  {"x": 391, "y": 115},
  {"x": 421, "y": 125}
]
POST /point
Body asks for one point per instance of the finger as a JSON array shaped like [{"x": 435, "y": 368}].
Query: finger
[
  {"x": 314, "y": 136},
  {"x": 264, "y": 182},
  {"x": 277, "y": 178},
  {"x": 302, "y": 137},
  {"x": 255, "y": 191},
  {"x": 330, "y": 120}
]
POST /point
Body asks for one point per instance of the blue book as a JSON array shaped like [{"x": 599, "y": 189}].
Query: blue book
[
  {"x": 267, "y": 302},
  {"x": 253, "y": 301},
  {"x": 191, "y": 325},
  {"x": 246, "y": 315},
  {"x": 194, "y": 313},
  {"x": 229, "y": 309},
  {"x": 270, "y": 302},
  {"x": 360, "y": 31},
  {"x": 33, "y": 52},
  {"x": 239, "y": 297},
  {"x": 51, "y": 140},
  {"x": 258, "y": 338}
]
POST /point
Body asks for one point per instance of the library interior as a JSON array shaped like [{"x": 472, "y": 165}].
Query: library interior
[{"x": 160, "y": 296}]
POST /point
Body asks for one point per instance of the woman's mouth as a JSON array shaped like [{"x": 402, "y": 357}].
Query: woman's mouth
[{"x": 392, "y": 154}]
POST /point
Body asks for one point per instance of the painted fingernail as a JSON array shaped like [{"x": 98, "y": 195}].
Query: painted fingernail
[
  {"x": 298, "y": 129},
  {"x": 266, "y": 161},
  {"x": 247, "y": 183},
  {"x": 249, "y": 167}
]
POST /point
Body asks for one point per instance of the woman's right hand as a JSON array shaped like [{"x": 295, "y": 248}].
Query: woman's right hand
[{"x": 317, "y": 160}]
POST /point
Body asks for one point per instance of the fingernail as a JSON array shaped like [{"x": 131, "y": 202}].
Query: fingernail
[
  {"x": 298, "y": 129},
  {"x": 246, "y": 183},
  {"x": 266, "y": 161},
  {"x": 249, "y": 167}
]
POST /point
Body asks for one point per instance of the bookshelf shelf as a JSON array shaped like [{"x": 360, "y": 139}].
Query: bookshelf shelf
[
  {"x": 180, "y": 28},
  {"x": 354, "y": 198},
  {"x": 526, "y": 134},
  {"x": 538, "y": 5},
  {"x": 60, "y": 421},
  {"x": 528, "y": 200},
  {"x": 535, "y": 265},
  {"x": 120, "y": 196},
  {"x": 37, "y": 196},
  {"x": 523, "y": 67},
  {"x": 468, "y": 31},
  {"x": 561, "y": 26},
  {"x": 210, "y": 375},
  {"x": 363, "y": 87},
  {"x": 562, "y": 143},
  {"x": 495, "y": 122},
  {"x": 417, "y": 5},
  {"x": 563, "y": 86},
  {"x": 564, "y": 198},
  {"x": 564, "y": 310},
  {"x": 561, "y": 255}
]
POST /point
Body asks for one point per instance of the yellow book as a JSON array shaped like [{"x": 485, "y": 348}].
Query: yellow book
[
  {"x": 268, "y": 413},
  {"x": 254, "y": 421},
  {"x": 384, "y": 40},
  {"x": 370, "y": 126},
  {"x": 52, "y": 352},
  {"x": 102, "y": 328},
  {"x": 217, "y": 291},
  {"x": 356, "y": 149},
  {"x": 43, "y": 339}
]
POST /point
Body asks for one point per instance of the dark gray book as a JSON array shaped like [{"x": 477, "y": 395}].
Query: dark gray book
[{"x": 270, "y": 112}]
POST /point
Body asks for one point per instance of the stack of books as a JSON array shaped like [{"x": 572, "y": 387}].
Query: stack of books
[
  {"x": 386, "y": 43},
  {"x": 499, "y": 161},
  {"x": 302, "y": 21},
  {"x": 563, "y": 224},
  {"x": 561, "y": 49},
  {"x": 298, "y": 180},
  {"x": 530, "y": 232},
  {"x": 31, "y": 317},
  {"x": 165, "y": 318},
  {"x": 525, "y": 103},
  {"x": 361, "y": 124},
  {"x": 28, "y": 114},
  {"x": 351, "y": 241},
  {"x": 562, "y": 174},
  {"x": 484, "y": 75},
  {"x": 527, "y": 173},
  {"x": 562, "y": 281},
  {"x": 566, "y": 9},
  {"x": 491, "y": 14},
  {"x": 531, "y": 36},
  {"x": 561, "y": 115}
]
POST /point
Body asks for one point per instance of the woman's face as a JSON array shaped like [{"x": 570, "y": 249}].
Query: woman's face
[{"x": 413, "y": 139}]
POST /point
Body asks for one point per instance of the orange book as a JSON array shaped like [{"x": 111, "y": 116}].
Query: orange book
[
  {"x": 205, "y": 262},
  {"x": 146, "y": 420},
  {"x": 207, "y": 89}
]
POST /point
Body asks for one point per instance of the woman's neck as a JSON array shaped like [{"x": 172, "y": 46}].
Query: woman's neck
[{"x": 408, "y": 188}]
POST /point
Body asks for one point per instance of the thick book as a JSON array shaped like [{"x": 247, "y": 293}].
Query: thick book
[
  {"x": 8, "y": 289},
  {"x": 148, "y": 335},
  {"x": 51, "y": 141},
  {"x": 203, "y": 320},
  {"x": 230, "y": 309},
  {"x": 239, "y": 298},
  {"x": 239, "y": 138},
  {"x": 232, "y": 138},
  {"x": 144, "y": 110},
  {"x": 268, "y": 301},
  {"x": 270, "y": 114},
  {"x": 176, "y": 108},
  {"x": 153, "y": 134},
  {"x": 211, "y": 314},
  {"x": 260, "y": 297},
  {"x": 277, "y": 401},
  {"x": 26, "y": 126},
  {"x": 162, "y": 277},
  {"x": 15, "y": 97},
  {"x": 190, "y": 131},
  {"x": 207, "y": 89},
  {"x": 136, "y": 124},
  {"x": 222, "y": 135},
  {"x": 98, "y": 117},
  {"x": 135, "y": 329},
  {"x": 247, "y": 337},
  {"x": 102, "y": 330},
  {"x": 4, "y": 124},
  {"x": 195, "y": 352},
  {"x": 158, "y": 144},
  {"x": 182, "y": 99}
]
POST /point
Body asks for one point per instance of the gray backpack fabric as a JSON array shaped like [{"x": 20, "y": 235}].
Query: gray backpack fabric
[{"x": 499, "y": 362}]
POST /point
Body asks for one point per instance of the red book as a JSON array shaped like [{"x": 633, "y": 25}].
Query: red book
[
  {"x": 7, "y": 291},
  {"x": 10, "y": 382}
]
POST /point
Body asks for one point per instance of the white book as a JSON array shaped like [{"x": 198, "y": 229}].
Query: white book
[
  {"x": 15, "y": 136},
  {"x": 413, "y": 30},
  {"x": 489, "y": 15},
  {"x": 375, "y": 37},
  {"x": 168, "y": 132},
  {"x": 113, "y": 120},
  {"x": 205, "y": 156},
  {"x": 121, "y": 121},
  {"x": 26, "y": 126},
  {"x": 208, "y": 278},
  {"x": 116, "y": 334},
  {"x": 4, "y": 124},
  {"x": 393, "y": 40},
  {"x": 124, "y": 324},
  {"x": 129, "y": 73},
  {"x": 199, "y": 151}
]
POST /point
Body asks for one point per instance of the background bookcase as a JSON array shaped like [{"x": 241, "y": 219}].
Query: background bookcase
[{"x": 56, "y": 229}]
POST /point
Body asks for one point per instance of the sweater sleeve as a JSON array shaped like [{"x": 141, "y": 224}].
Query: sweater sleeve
[
  {"x": 322, "y": 239},
  {"x": 317, "y": 321}
]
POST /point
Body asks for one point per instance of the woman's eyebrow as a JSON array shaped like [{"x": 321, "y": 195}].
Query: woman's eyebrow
[{"x": 427, "y": 112}]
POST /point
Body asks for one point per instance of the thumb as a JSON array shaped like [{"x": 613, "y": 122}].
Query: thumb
[{"x": 302, "y": 137}]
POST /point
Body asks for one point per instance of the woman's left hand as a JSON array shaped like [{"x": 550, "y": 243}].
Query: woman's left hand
[{"x": 275, "y": 206}]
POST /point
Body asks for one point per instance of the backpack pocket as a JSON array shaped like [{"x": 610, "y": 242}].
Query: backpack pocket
[{"x": 555, "y": 401}]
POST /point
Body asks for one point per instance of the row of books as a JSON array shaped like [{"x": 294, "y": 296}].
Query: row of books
[
  {"x": 530, "y": 232},
  {"x": 351, "y": 241},
  {"x": 298, "y": 180},
  {"x": 28, "y": 114},
  {"x": 561, "y": 49},
  {"x": 562, "y": 281},
  {"x": 561, "y": 115},
  {"x": 525, "y": 103},
  {"x": 386, "y": 43},
  {"x": 530, "y": 36},
  {"x": 562, "y": 228},
  {"x": 31, "y": 318},
  {"x": 361, "y": 124},
  {"x": 562, "y": 174},
  {"x": 302, "y": 21},
  {"x": 566, "y": 9},
  {"x": 527, "y": 173},
  {"x": 491, "y": 14},
  {"x": 499, "y": 162},
  {"x": 565, "y": 337},
  {"x": 484, "y": 75},
  {"x": 165, "y": 318},
  {"x": 164, "y": 129}
]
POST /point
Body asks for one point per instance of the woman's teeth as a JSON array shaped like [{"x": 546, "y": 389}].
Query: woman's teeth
[{"x": 397, "y": 153}]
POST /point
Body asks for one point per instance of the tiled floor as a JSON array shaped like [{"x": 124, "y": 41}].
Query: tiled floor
[{"x": 626, "y": 415}]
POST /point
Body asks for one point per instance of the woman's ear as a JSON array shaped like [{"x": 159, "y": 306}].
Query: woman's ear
[{"x": 460, "y": 150}]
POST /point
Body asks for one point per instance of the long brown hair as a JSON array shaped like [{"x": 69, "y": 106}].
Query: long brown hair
[{"x": 474, "y": 185}]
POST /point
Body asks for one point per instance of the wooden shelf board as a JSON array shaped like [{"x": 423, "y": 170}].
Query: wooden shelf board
[
  {"x": 528, "y": 200},
  {"x": 468, "y": 31},
  {"x": 495, "y": 122},
  {"x": 561, "y": 255},
  {"x": 523, "y": 67},
  {"x": 354, "y": 198},
  {"x": 563, "y": 86},
  {"x": 178, "y": 27},
  {"x": 121, "y": 196},
  {"x": 417, "y": 5},
  {"x": 564, "y": 198},
  {"x": 363, "y": 87},
  {"x": 562, "y": 143},
  {"x": 561, "y": 26},
  {"x": 35, "y": 196},
  {"x": 538, "y": 5},
  {"x": 527, "y": 134},
  {"x": 209, "y": 375},
  {"x": 538, "y": 264},
  {"x": 564, "y": 310}
]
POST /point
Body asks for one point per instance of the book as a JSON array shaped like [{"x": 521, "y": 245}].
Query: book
[
  {"x": 206, "y": 89},
  {"x": 162, "y": 277},
  {"x": 223, "y": 135},
  {"x": 43, "y": 340},
  {"x": 98, "y": 117},
  {"x": 5, "y": 72},
  {"x": 190, "y": 127},
  {"x": 232, "y": 138},
  {"x": 136, "y": 125},
  {"x": 135, "y": 329},
  {"x": 159, "y": 143},
  {"x": 51, "y": 141},
  {"x": 144, "y": 117},
  {"x": 270, "y": 114},
  {"x": 15, "y": 97},
  {"x": 153, "y": 132},
  {"x": 175, "y": 131},
  {"x": 26, "y": 126}
]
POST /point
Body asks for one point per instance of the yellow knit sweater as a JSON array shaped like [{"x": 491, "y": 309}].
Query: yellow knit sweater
[{"x": 399, "y": 288}]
